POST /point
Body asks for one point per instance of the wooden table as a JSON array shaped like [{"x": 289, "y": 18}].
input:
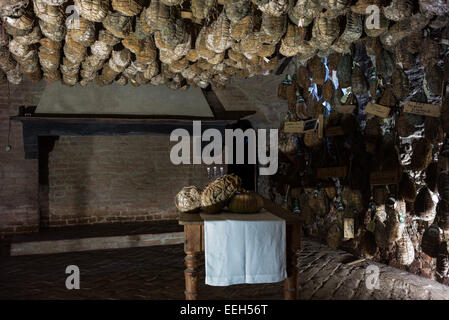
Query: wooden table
[{"x": 194, "y": 245}]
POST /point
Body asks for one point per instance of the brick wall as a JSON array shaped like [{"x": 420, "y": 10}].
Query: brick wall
[
  {"x": 92, "y": 179},
  {"x": 115, "y": 178},
  {"x": 19, "y": 210}
]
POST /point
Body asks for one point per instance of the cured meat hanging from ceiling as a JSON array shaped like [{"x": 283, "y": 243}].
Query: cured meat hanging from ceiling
[{"x": 201, "y": 42}]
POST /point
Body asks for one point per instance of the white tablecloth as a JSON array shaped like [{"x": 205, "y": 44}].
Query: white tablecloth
[{"x": 244, "y": 248}]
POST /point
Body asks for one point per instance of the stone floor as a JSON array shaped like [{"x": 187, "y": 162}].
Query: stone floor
[
  {"x": 324, "y": 273},
  {"x": 157, "y": 273}
]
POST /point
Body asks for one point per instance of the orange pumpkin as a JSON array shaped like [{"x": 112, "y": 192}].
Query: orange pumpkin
[{"x": 246, "y": 202}]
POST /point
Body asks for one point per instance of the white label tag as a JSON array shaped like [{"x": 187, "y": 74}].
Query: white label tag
[
  {"x": 423, "y": 109},
  {"x": 377, "y": 110},
  {"x": 348, "y": 228}
]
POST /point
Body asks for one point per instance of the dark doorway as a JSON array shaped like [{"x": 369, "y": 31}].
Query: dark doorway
[
  {"x": 46, "y": 144},
  {"x": 245, "y": 171}
]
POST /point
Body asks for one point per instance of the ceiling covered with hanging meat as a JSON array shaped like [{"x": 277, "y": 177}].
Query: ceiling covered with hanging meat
[{"x": 200, "y": 42}]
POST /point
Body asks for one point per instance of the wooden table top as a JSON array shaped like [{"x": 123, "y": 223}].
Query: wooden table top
[{"x": 289, "y": 217}]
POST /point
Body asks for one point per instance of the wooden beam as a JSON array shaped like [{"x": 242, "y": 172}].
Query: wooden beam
[
  {"x": 215, "y": 104},
  {"x": 218, "y": 110},
  {"x": 111, "y": 117},
  {"x": 283, "y": 65},
  {"x": 34, "y": 127}
]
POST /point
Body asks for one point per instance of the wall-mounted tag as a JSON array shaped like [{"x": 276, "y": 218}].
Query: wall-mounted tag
[
  {"x": 332, "y": 172},
  {"x": 384, "y": 177},
  {"x": 422, "y": 109},
  {"x": 302, "y": 126},
  {"x": 320, "y": 126},
  {"x": 335, "y": 131},
  {"x": 348, "y": 228},
  {"x": 294, "y": 127},
  {"x": 311, "y": 125},
  {"x": 377, "y": 110},
  {"x": 186, "y": 15}
]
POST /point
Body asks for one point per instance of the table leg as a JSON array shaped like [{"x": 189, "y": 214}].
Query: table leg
[
  {"x": 291, "y": 283},
  {"x": 293, "y": 244},
  {"x": 192, "y": 249},
  {"x": 191, "y": 275}
]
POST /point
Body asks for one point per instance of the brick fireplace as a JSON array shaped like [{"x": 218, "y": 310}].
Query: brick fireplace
[
  {"x": 91, "y": 170},
  {"x": 104, "y": 179},
  {"x": 96, "y": 171}
]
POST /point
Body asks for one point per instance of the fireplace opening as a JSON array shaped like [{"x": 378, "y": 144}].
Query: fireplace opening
[
  {"x": 46, "y": 145},
  {"x": 245, "y": 171},
  {"x": 86, "y": 180}
]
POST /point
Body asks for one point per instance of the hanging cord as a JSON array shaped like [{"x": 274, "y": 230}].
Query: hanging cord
[
  {"x": 3, "y": 31},
  {"x": 8, "y": 146}
]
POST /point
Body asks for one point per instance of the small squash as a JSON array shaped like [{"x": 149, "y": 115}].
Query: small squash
[{"x": 246, "y": 202}]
